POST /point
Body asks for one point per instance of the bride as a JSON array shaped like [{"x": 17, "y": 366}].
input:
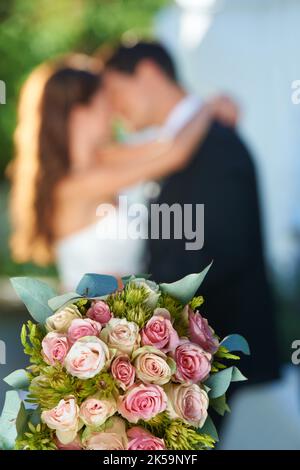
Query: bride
[{"x": 66, "y": 165}]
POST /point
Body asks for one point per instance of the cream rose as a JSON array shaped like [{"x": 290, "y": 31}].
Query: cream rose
[
  {"x": 87, "y": 357},
  {"x": 95, "y": 411},
  {"x": 153, "y": 366},
  {"x": 121, "y": 335},
  {"x": 113, "y": 437},
  {"x": 61, "y": 321},
  {"x": 64, "y": 418},
  {"x": 187, "y": 402}
]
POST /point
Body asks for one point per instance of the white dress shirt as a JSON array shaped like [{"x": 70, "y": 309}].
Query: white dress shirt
[{"x": 180, "y": 115}]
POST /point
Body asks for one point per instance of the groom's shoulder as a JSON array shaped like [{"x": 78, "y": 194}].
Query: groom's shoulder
[{"x": 225, "y": 138}]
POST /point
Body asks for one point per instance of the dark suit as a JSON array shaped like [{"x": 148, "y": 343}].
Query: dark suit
[{"x": 237, "y": 297}]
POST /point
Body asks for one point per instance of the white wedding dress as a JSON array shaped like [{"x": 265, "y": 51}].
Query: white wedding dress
[{"x": 96, "y": 249}]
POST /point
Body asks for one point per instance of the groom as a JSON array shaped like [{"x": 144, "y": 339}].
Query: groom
[{"x": 142, "y": 83}]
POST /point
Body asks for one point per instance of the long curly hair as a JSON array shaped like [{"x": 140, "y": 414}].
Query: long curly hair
[{"x": 42, "y": 155}]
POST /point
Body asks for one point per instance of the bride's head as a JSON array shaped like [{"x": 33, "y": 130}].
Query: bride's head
[{"x": 62, "y": 119}]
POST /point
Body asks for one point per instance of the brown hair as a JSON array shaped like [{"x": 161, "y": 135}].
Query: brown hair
[{"x": 42, "y": 154}]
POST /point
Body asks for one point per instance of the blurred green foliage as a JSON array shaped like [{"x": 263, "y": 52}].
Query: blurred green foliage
[
  {"x": 32, "y": 31},
  {"x": 35, "y": 30}
]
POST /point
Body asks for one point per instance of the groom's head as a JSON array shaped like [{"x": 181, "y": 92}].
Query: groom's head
[{"x": 141, "y": 82}]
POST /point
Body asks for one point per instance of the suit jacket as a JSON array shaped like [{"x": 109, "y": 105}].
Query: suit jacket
[{"x": 237, "y": 295}]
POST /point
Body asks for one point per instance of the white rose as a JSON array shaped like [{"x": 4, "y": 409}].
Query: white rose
[
  {"x": 188, "y": 402},
  {"x": 87, "y": 357},
  {"x": 121, "y": 335},
  {"x": 64, "y": 418},
  {"x": 61, "y": 321},
  {"x": 95, "y": 411},
  {"x": 113, "y": 436},
  {"x": 153, "y": 366}
]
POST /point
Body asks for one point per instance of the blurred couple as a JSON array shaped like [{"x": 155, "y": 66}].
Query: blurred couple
[{"x": 67, "y": 164}]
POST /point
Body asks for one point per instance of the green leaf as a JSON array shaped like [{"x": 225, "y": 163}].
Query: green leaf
[
  {"x": 96, "y": 285},
  {"x": 223, "y": 353},
  {"x": 219, "y": 405},
  {"x": 35, "y": 295},
  {"x": 209, "y": 428},
  {"x": 185, "y": 289},
  {"x": 219, "y": 382},
  {"x": 22, "y": 419},
  {"x": 9, "y": 418},
  {"x": 237, "y": 376},
  {"x": 60, "y": 301},
  {"x": 236, "y": 343},
  {"x": 18, "y": 379}
]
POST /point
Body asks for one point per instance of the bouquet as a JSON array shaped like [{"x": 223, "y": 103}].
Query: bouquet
[{"x": 131, "y": 368}]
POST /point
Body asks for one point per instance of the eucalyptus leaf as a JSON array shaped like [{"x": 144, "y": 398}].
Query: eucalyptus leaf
[
  {"x": 237, "y": 375},
  {"x": 18, "y": 379},
  {"x": 126, "y": 279},
  {"x": 35, "y": 295},
  {"x": 219, "y": 405},
  {"x": 61, "y": 301},
  {"x": 185, "y": 289},
  {"x": 9, "y": 418},
  {"x": 96, "y": 285},
  {"x": 22, "y": 419},
  {"x": 209, "y": 428},
  {"x": 236, "y": 343},
  {"x": 219, "y": 382}
]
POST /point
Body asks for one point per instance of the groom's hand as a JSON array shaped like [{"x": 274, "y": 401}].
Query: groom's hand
[{"x": 225, "y": 110}]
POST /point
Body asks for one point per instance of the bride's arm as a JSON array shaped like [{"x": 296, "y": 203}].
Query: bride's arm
[
  {"x": 220, "y": 108},
  {"x": 150, "y": 161}
]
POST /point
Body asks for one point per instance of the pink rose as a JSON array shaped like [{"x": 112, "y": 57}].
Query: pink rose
[
  {"x": 87, "y": 357},
  {"x": 99, "y": 311},
  {"x": 55, "y": 347},
  {"x": 112, "y": 437},
  {"x": 187, "y": 402},
  {"x": 64, "y": 418},
  {"x": 95, "y": 411},
  {"x": 159, "y": 331},
  {"x": 140, "y": 439},
  {"x": 74, "y": 445},
  {"x": 123, "y": 371},
  {"x": 201, "y": 333},
  {"x": 142, "y": 402},
  {"x": 193, "y": 363},
  {"x": 83, "y": 327}
]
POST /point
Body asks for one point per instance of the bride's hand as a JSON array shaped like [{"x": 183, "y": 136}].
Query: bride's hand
[{"x": 225, "y": 110}]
